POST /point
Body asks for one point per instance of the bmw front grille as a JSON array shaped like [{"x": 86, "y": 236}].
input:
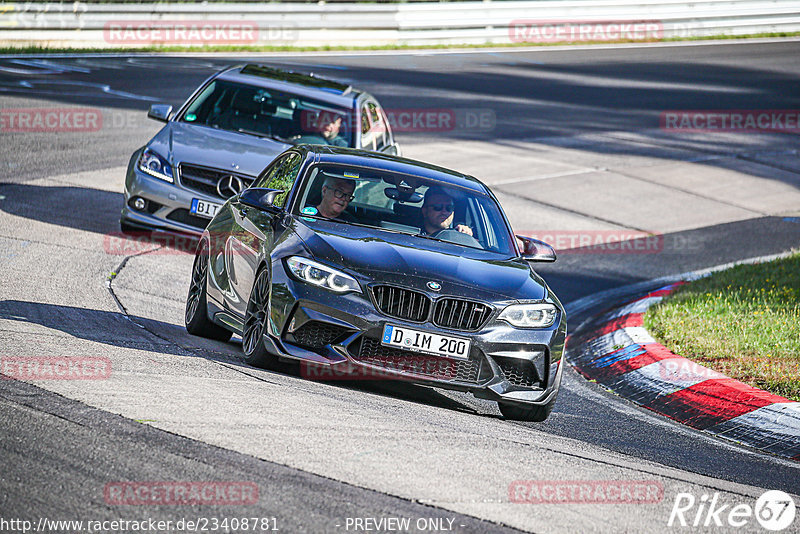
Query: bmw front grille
[{"x": 448, "y": 312}]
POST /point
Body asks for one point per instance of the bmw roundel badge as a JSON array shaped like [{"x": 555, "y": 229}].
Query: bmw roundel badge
[{"x": 435, "y": 286}]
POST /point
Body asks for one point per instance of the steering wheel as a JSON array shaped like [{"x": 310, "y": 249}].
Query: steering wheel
[{"x": 454, "y": 236}]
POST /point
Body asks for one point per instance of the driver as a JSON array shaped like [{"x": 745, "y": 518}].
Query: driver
[
  {"x": 437, "y": 213},
  {"x": 325, "y": 130}
]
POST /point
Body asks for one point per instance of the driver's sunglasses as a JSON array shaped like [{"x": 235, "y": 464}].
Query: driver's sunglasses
[
  {"x": 442, "y": 207},
  {"x": 338, "y": 193}
]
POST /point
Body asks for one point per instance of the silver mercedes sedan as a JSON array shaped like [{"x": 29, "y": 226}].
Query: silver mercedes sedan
[{"x": 232, "y": 127}]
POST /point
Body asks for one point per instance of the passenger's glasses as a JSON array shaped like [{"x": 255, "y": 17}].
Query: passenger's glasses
[{"x": 338, "y": 193}]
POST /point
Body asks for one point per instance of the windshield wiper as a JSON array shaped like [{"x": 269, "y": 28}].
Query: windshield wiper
[
  {"x": 276, "y": 137},
  {"x": 260, "y": 135}
]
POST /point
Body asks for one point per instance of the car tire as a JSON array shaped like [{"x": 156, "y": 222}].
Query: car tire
[
  {"x": 536, "y": 414},
  {"x": 196, "y": 313},
  {"x": 255, "y": 324}
]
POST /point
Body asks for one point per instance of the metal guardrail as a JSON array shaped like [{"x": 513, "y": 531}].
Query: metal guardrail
[{"x": 80, "y": 24}]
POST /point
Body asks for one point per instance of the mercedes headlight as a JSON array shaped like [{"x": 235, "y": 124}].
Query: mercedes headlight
[
  {"x": 154, "y": 165},
  {"x": 530, "y": 315},
  {"x": 321, "y": 275}
]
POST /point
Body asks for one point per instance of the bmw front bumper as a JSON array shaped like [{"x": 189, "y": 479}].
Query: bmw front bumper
[{"x": 339, "y": 335}]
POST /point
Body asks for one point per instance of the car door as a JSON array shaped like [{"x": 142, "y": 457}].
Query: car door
[{"x": 254, "y": 229}]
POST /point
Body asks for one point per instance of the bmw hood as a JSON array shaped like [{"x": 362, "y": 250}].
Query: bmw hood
[
  {"x": 182, "y": 142},
  {"x": 413, "y": 261}
]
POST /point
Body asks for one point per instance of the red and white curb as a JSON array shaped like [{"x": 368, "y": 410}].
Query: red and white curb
[{"x": 617, "y": 351}]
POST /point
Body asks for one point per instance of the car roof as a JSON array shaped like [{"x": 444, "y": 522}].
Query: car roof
[
  {"x": 363, "y": 158},
  {"x": 304, "y": 85}
]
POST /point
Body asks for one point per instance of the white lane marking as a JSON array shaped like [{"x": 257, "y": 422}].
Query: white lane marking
[
  {"x": 26, "y": 72},
  {"x": 45, "y": 64},
  {"x": 104, "y": 88}
]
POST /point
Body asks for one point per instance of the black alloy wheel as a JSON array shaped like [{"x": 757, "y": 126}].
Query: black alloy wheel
[{"x": 196, "y": 315}]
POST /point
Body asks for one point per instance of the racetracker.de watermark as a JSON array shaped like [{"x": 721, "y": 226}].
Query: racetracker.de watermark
[
  {"x": 132, "y": 243},
  {"x": 411, "y": 120},
  {"x": 17, "y": 120},
  {"x": 734, "y": 120},
  {"x": 190, "y": 32},
  {"x": 569, "y": 31},
  {"x": 416, "y": 365},
  {"x": 599, "y": 241},
  {"x": 586, "y": 491},
  {"x": 55, "y": 368},
  {"x": 171, "y": 493},
  {"x": 683, "y": 370}
]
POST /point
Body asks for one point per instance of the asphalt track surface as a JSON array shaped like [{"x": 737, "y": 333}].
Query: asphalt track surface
[{"x": 60, "y": 446}]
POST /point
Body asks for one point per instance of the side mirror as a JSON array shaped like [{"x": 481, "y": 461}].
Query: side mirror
[
  {"x": 260, "y": 197},
  {"x": 160, "y": 112},
  {"x": 392, "y": 150},
  {"x": 535, "y": 250}
]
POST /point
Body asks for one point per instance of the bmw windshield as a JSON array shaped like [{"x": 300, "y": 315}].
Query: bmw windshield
[
  {"x": 403, "y": 203},
  {"x": 270, "y": 114}
]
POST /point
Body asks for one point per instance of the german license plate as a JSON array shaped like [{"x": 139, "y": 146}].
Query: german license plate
[
  {"x": 204, "y": 209},
  {"x": 425, "y": 342}
]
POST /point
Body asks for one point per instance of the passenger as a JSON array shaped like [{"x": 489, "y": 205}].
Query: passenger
[
  {"x": 437, "y": 213},
  {"x": 336, "y": 195}
]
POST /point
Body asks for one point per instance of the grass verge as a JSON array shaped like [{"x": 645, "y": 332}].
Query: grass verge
[
  {"x": 31, "y": 50},
  {"x": 743, "y": 322}
]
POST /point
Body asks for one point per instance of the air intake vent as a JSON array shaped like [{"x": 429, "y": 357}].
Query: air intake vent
[
  {"x": 371, "y": 351},
  {"x": 316, "y": 334},
  {"x": 402, "y": 303},
  {"x": 461, "y": 314}
]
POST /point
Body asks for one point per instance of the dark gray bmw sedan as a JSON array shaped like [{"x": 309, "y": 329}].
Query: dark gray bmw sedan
[{"x": 373, "y": 265}]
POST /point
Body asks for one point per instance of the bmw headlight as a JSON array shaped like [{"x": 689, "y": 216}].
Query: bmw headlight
[
  {"x": 155, "y": 165},
  {"x": 321, "y": 275},
  {"x": 530, "y": 315}
]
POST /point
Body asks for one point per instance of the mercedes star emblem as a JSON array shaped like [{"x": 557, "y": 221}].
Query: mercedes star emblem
[{"x": 229, "y": 186}]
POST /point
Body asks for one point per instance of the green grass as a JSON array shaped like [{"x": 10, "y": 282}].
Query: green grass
[
  {"x": 743, "y": 322},
  {"x": 249, "y": 48}
]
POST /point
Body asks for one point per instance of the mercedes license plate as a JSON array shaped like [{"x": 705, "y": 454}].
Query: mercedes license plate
[{"x": 204, "y": 208}]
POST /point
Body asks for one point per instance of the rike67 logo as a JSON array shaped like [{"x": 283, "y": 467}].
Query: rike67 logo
[{"x": 774, "y": 510}]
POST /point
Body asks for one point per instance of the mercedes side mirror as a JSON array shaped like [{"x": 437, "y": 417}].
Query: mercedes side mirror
[{"x": 160, "y": 112}]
